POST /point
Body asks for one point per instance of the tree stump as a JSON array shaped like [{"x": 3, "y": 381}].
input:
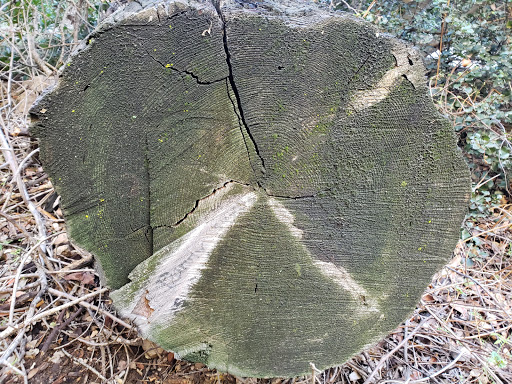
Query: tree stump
[{"x": 265, "y": 186}]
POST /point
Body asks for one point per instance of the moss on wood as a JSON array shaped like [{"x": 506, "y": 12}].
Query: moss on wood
[{"x": 263, "y": 189}]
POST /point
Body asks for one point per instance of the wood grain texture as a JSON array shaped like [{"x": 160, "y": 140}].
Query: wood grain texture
[{"x": 265, "y": 186}]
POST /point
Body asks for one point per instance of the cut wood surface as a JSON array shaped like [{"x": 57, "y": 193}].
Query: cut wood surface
[{"x": 265, "y": 186}]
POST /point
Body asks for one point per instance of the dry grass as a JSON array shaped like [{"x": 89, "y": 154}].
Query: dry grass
[{"x": 57, "y": 323}]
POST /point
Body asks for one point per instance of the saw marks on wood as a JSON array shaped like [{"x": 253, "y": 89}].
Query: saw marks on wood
[
  {"x": 265, "y": 188},
  {"x": 170, "y": 273}
]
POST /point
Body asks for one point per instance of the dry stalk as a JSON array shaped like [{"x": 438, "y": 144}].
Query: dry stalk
[
  {"x": 383, "y": 360},
  {"x": 84, "y": 364}
]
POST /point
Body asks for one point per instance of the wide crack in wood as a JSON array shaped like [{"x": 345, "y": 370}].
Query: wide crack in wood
[
  {"x": 234, "y": 88},
  {"x": 291, "y": 197},
  {"x": 244, "y": 128},
  {"x": 241, "y": 125},
  {"x": 237, "y": 106}
]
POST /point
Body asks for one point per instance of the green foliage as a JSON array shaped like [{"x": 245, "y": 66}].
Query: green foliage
[
  {"x": 497, "y": 360},
  {"x": 49, "y": 29},
  {"x": 493, "y": 148},
  {"x": 467, "y": 45},
  {"x": 500, "y": 358}
]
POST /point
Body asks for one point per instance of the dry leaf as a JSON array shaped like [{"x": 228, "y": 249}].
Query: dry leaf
[
  {"x": 143, "y": 308},
  {"x": 179, "y": 380},
  {"x": 465, "y": 63},
  {"x": 462, "y": 310},
  {"x": 354, "y": 376},
  {"x": 61, "y": 239},
  {"x": 32, "y": 353},
  {"x": 428, "y": 298},
  {"x": 57, "y": 356},
  {"x": 63, "y": 250},
  {"x": 32, "y": 373},
  {"x": 152, "y": 351},
  {"x": 84, "y": 277},
  {"x": 121, "y": 366},
  {"x": 415, "y": 375}
]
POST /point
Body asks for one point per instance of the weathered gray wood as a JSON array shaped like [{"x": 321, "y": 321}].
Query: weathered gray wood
[{"x": 265, "y": 187}]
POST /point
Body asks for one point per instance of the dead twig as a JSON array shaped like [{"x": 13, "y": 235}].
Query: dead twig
[
  {"x": 13, "y": 222},
  {"x": 84, "y": 364},
  {"x": 384, "y": 358},
  {"x": 85, "y": 260},
  {"x": 34, "y": 55},
  {"x": 8, "y": 154},
  {"x": 443, "y": 29},
  {"x": 18, "y": 274},
  {"x": 10, "y": 330},
  {"x": 369, "y": 9},
  {"x": 59, "y": 328},
  {"x": 20, "y": 338},
  {"x": 91, "y": 306},
  {"x": 444, "y": 369}
]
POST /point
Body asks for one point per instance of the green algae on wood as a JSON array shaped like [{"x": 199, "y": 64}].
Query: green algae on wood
[{"x": 264, "y": 189}]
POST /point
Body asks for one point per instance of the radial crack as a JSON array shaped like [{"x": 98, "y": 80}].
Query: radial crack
[
  {"x": 235, "y": 91},
  {"x": 198, "y": 201},
  {"x": 149, "y": 231},
  {"x": 290, "y": 197},
  {"x": 317, "y": 194},
  {"x": 240, "y": 125},
  {"x": 185, "y": 72}
]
